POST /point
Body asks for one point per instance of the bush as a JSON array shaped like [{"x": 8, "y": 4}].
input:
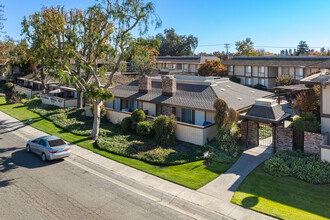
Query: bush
[
  {"x": 126, "y": 123},
  {"x": 285, "y": 80},
  {"x": 31, "y": 102},
  {"x": 307, "y": 167},
  {"x": 276, "y": 167},
  {"x": 235, "y": 79},
  {"x": 307, "y": 122},
  {"x": 145, "y": 128},
  {"x": 260, "y": 87},
  {"x": 165, "y": 127},
  {"x": 138, "y": 115},
  {"x": 9, "y": 87},
  {"x": 307, "y": 102},
  {"x": 226, "y": 141}
]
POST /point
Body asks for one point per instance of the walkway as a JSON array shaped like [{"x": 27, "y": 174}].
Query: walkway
[{"x": 226, "y": 184}]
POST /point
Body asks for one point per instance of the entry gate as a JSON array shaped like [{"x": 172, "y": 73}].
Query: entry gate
[{"x": 265, "y": 134}]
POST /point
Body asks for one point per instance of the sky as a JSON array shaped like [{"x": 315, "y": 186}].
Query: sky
[{"x": 271, "y": 24}]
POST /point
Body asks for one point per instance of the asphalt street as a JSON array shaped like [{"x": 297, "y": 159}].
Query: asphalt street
[{"x": 32, "y": 189}]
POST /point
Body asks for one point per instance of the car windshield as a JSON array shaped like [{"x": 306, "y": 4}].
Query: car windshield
[{"x": 56, "y": 142}]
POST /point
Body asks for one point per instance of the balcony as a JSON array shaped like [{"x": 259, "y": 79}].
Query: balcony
[
  {"x": 58, "y": 101},
  {"x": 29, "y": 91}
]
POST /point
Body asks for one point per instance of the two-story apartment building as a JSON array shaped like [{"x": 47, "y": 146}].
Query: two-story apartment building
[
  {"x": 264, "y": 69},
  {"x": 184, "y": 64}
]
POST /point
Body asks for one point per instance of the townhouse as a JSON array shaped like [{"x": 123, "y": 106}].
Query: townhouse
[
  {"x": 264, "y": 69},
  {"x": 181, "y": 64}
]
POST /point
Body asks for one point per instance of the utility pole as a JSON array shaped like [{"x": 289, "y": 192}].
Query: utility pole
[{"x": 227, "y": 47}]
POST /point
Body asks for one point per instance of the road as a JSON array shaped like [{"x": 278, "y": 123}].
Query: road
[{"x": 32, "y": 189}]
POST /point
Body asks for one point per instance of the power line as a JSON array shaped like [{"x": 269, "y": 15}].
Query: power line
[{"x": 283, "y": 47}]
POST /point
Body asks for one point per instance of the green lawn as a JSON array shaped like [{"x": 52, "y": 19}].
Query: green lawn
[
  {"x": 193, "y": 175},
  {"x": 284, "y": 198}
]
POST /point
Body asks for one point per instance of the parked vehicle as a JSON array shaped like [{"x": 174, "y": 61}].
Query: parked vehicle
[{"x": 49, "y": 147}]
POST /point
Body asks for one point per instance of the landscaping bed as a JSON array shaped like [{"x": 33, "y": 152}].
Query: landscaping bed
[{"x": 192, "y": 174}]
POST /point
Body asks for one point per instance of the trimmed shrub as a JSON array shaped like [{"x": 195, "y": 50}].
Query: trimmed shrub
[
  {"x": 307, "y": 167},
  {"x": 235, "y": 79},
  {"x": 165, "y": 127},
  {"x": 31, "y": 102},
  {"x": 126, "y": 123},
  {"x": 260, "y": 87},
  {"x": 145, "y": 128},
  {"x": 276, "y": 167},
  {"x": 138, "y": 115},
  {"x": 284, "y": 80}
]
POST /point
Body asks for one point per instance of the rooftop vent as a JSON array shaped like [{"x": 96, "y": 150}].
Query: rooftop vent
[{"x": 265, "y": 102}]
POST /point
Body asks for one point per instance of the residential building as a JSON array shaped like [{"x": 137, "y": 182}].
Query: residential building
[
  {"x": 61, "y": 96},
  {"x": 29, "y": 84},
  {"x": 323, "y": 80},
  {"x": 189, "y": 98},
  {"x": 181, "y": 64},
  {"x": 264, "y": 69}
]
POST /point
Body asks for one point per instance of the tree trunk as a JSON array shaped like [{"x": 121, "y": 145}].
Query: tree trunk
[
  {"x": 43, "y": 80},
  {"x": 80, "y": 99},
  {"x": 97, "y": 117}
]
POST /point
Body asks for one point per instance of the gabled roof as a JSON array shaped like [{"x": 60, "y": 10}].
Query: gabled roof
[
  {"x": 195, "y": 95},
  {"x": 323, "y": 77},
  {"x": 289, "y": 61}
]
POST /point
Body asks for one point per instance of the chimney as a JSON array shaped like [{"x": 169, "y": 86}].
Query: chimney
[
  {"x": 168, "y": 85},
  {"x": 144, "y": 84}
]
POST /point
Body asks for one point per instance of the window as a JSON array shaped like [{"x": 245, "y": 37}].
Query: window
[
  {"x": 248, "y": 81},
  {"x": 179, "y": 66},
  {"x": 187, "y": 115},
  {"x": 262, "y": 81},
  {"x": 199, "y": 118},
  {"x": 299, "y": 72},
  {"x": 43, "y": 143},
  {"x": 285, "y": 70},
  {"x": 248, "y": 69},
  {"x": 56, "y": 142},
  {"x": 261, "y": 69},
  {"x": 116, "y": 104},
  {"x": 132, "y": 105},
  {"x": 230, "y": 68}
]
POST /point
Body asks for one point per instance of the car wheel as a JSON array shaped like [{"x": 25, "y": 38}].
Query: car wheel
[
  {"x": 43, "y": 157},
  {"x": 28, "y": 149}
]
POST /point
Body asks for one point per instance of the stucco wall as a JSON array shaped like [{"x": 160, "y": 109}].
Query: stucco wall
[
  {"x": 150, "y": 107},
  {"x": 325, "y": 100},
  {"x": 195, "y": 134},
  {"x": 115, "y": 117},
  {"x": 325, "y": 124},
  {"x": 325, "y": 153},
  {"x": 88, "y": 111},
  {"x": 60, "y": 102}
]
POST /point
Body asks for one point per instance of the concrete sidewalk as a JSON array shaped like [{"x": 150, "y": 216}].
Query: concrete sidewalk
[
  {"x": 171, "y": 194},
  {"x": 226, "y": 184}
]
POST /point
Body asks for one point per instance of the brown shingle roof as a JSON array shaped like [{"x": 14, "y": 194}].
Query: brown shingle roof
[{"x": 196, "y": 96}]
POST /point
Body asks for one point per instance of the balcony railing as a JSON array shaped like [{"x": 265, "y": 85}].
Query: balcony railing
[{"x": 58, "y": 101}]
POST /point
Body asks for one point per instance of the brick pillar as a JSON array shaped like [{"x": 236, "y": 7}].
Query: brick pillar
[{"x": 252, "y": 133}]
